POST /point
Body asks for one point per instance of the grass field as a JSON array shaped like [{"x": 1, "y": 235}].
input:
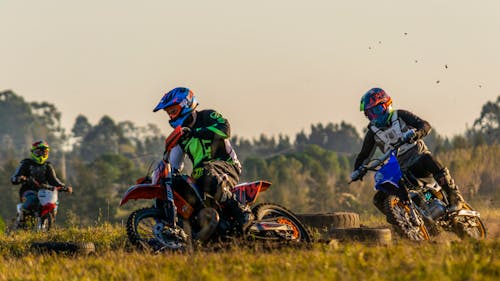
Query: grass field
[{"x": 115, "y": 259}]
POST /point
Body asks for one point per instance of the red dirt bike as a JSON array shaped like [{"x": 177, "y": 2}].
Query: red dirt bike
[
  {"x": 198, "y": 217},
  {"x": 44, "y": 217}
]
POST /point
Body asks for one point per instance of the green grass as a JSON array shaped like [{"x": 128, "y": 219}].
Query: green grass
[{"x": 115, "y": 259}]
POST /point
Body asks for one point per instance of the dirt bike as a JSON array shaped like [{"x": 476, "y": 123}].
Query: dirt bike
[
  {"x": 197, "y": 217},
  {"x": 424, "y": 212},
  {"x": 42, "y": 218}
]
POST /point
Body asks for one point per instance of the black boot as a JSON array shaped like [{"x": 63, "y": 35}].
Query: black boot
[
  {"x": 242, "y": 213},
  {"x": 444, "y": 179}
]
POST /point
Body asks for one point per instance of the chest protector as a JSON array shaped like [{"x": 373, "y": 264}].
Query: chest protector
[{"x": 385, "y": 138}]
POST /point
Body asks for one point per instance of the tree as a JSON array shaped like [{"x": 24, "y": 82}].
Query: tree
[
  {"x": 17, "y": 119},
  {"x": 488, "y": 123},
  {"x": 105, "y": 137}
]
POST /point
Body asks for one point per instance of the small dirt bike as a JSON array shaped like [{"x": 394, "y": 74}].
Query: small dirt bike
[
  {"x": 199, "y": 217},
  {"x": 43, "y": 218},
  {"x": 426, "y": 211}
]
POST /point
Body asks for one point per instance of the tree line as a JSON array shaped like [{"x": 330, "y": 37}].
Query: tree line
[{"x": 309, "y": 173}]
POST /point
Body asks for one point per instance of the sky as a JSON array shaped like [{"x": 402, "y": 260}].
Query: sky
[{"x": 269, "y": 66}]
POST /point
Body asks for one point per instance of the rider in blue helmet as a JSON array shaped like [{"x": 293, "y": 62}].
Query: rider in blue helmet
[
  {"x": 179, "y": 103},
  {"x": 216, "y": 167}
]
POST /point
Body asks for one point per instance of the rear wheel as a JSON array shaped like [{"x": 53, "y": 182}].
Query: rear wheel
[
  {"x": 398, "y": 214},
  {"x": 469, "y": 226},
  {"x": 272, "y": 213}
]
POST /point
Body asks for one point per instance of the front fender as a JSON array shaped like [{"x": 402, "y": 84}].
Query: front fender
[{"x": 144, "y": 191}]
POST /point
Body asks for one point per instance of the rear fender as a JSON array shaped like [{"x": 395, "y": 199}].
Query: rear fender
[
  {"x": 247, "y": 193},
  {"x": 144, "y": 191}
]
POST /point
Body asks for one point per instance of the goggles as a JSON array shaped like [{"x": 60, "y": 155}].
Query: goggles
[
  {"x": 41, "y": 152},
  {"x": 173, "y": 111},
  {"x": 375, "y": 112}
]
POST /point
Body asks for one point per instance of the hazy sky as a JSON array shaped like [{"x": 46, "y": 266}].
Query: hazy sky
[{"x": 270, "y": 66}]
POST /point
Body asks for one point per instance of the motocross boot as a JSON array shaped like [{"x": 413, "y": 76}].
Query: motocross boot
[
  {"x": 242, "y": 213},
  {"x": 445, "y": 180}
]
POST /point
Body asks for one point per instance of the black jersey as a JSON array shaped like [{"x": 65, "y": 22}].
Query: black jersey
[
  {"x": 44, "y": 174},
  {"x": 209, "y": 140}
]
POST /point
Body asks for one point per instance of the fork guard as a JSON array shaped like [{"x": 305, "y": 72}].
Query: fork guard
[{"x": 468, "y": 213}]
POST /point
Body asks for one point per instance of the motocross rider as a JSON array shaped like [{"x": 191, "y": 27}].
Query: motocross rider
[
  {"x": 205, "y": 141},
  {"x": 387, "y": 127},
  {"x": 33, "y": 174}
]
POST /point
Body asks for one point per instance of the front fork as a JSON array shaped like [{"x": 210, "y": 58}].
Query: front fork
[{"x": 168, "y": 207}]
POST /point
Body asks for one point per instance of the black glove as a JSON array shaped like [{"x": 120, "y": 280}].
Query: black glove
[
  {"x": 67, "y": 189},
  {"x": 186, "y": 134}
]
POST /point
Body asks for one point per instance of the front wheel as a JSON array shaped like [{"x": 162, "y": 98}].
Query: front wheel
[
  {"x": 399, "y": 215},
  {"x": 274, "y": 222},
  {"x": 46, "y": 222},
  {"x": 147, "y": 229},
  {"x": 469, "y": 226}
]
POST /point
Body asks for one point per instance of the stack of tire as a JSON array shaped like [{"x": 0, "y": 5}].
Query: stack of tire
[{"x": 344, "y": 226}]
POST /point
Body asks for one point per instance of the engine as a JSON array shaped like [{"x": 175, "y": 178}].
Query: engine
[{"x": 435, "y": 208}]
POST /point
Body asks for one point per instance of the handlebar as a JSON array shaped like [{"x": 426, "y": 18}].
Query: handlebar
[{"x": 374, "y": 164}]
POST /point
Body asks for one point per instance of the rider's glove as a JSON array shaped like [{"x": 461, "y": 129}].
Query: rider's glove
[
  {"x": 67, "y": 189},
  {"x": 356, "y": 174},
  {"x": 409, "y": 136},
  {"x": 186, "y": 134}
]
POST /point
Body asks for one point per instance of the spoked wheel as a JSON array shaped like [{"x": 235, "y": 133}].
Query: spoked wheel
[
  {"x": 146, "y": 228},
  {"x": 46, "y": 222},
  {"x": 469, "y": 226},
  {"x": 274, "y": 222},
  {"x": 398, "y": 214}
]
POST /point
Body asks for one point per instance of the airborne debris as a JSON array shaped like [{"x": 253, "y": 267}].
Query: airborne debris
[{"x": 437, "y": 82}]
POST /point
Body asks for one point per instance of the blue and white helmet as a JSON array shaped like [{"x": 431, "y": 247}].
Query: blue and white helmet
[{"x": 178, "y": 103}]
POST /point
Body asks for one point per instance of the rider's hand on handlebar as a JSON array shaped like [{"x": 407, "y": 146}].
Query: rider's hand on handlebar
[
  {"x": 356, "y": 175},
  {"x": 69, "y": 189},
  {"x": 409, "y": 136}
]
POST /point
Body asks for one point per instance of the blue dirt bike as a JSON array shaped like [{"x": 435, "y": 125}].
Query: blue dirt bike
[{"x": 417, "y": 207}]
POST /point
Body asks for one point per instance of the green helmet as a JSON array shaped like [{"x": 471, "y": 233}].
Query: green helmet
[{"x": 40, "y": 151}]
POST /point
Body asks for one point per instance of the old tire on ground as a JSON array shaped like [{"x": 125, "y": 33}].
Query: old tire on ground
[
  {"x": 380, "y": 235},
  {"x": 328, "y": 221},
  {"x": 63, "y": 247}
]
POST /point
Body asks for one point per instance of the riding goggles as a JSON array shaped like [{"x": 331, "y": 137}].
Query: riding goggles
[
  {"x": 41, "y": 152},
  {"x": 173, "y": 111},
  {"x": 375, "y": 112}
]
